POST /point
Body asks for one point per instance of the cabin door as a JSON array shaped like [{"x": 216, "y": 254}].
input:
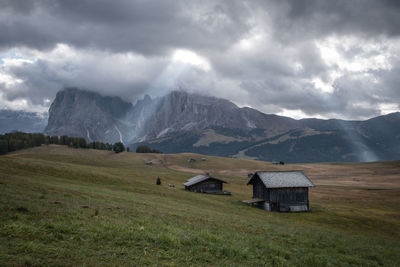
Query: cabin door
[{"x": 274, "y": 206}]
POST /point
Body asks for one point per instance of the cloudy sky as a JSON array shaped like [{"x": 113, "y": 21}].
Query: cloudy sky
[{"x": 300, "y": 58}]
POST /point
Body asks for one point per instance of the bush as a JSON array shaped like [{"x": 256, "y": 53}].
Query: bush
[{"x": 119, "y": 147}]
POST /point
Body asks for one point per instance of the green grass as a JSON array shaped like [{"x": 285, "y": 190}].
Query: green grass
[{"x": 61, "y": 206}]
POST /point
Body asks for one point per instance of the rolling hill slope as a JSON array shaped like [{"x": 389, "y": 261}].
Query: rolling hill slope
[{"x": 64, "y": 206}]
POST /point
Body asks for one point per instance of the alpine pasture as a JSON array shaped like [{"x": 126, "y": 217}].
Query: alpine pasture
[{"x": 66, "y": 206}]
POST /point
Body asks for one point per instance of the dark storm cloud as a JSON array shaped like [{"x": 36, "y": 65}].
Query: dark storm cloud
[
  {"x": 311, "y": 18},
  {"x": 18, "y": 6},
  {"x": 262, "y": 53},
  {"x": 182, "y": 19},
  {"x": 153, "y": 27},
  {"x": 147, "y": 27}
]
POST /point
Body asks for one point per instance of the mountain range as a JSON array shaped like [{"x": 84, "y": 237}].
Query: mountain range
[
  {"x": 15, "y": 120},
  {"x": 184, "y": 122}
]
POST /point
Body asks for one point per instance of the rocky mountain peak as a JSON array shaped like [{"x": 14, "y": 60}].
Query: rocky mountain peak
[
  {"x": 82, "y": 113},
  {"x": 87, "y": 114}
]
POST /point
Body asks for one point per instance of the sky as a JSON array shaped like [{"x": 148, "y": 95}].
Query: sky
[{"x": 298, "y": 58}]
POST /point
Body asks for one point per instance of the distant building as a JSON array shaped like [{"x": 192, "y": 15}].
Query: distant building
[
  {"x": 205, "y": 184},
  {"x": 280, "y": 190}
]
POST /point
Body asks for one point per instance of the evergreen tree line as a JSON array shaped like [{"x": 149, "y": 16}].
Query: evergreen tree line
[
  {"x": 146, "y": 149},
  {"x": 18, "y": 140}
]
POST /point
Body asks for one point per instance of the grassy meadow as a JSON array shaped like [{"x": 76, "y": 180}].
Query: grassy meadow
[{"x": 65, "y": 206}]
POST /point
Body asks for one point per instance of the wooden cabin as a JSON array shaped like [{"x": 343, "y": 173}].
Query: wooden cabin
[
  {"x": 205, "y": 184},
  {"x": 280, "y": 190}
]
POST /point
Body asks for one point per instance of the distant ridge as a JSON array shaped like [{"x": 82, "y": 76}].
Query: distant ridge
[{"x": 29, "y": 122}]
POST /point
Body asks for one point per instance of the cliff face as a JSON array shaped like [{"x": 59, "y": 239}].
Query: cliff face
[
  {"x": 85, "y": 114},
  {"x": 80, "y": 113},
  {"x": 180, "y": 111}
]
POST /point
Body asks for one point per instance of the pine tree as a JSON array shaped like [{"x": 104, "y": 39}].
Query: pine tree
[
  {"x": 119, "y": 147},
  {"x": 3, "y": 147}
]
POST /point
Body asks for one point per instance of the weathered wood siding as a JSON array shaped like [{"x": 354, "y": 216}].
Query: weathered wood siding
[
  {"x": 258, "y": 188},
  {"x": 288, "y": 199},
  {"x": 207, "y": 185},
  {"x": 289, "y": 195}
]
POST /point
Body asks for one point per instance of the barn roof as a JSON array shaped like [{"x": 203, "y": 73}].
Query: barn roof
[
  {"x": 200, "y": 178},
  {"x": 279, "y": 179}
]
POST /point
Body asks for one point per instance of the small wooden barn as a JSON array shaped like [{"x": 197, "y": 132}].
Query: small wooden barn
[
  {"x": 205, "y": 184},
  {"x": 280, "y": 190}
]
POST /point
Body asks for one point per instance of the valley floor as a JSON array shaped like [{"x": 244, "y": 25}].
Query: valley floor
[{"x": 65, "y": 206}]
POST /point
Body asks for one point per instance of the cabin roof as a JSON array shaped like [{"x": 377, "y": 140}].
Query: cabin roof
[
  {"x": 200, "y": 178},
  {"x": 282, "y": 179}
]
